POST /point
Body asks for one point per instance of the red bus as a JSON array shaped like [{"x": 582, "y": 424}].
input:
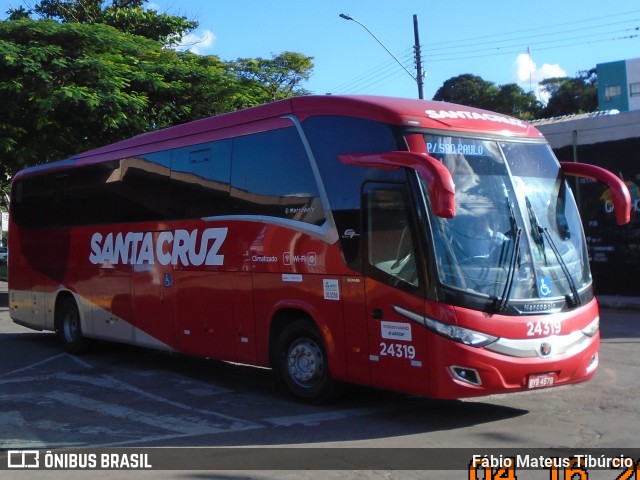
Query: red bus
[{"x": 416, "y": 246}]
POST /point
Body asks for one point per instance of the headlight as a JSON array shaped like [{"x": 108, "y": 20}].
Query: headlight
[
  {"x": 591, "y": 329},
  {"x": 458, "y": 334}
]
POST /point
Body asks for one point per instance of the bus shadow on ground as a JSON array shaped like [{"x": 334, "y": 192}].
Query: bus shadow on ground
[{"x": 241, "y": 401}]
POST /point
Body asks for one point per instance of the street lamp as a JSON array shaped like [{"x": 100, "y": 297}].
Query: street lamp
[{"x": 416, "y": 78}]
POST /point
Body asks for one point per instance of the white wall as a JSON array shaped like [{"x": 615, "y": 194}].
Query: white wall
[{"x": 633, "y": 76}]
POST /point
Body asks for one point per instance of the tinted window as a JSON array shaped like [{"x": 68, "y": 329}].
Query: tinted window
[
  {"x": 139, "y": 190},
  {"x": 330, "y": 136},
  {"x": 271, "y": 175},
  {"x": 200, "y": 180},
  {"x": 134, "y": 189},
  {"x": 119, "y": 191}
]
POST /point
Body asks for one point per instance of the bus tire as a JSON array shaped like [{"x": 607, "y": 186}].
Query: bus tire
[
  {"x": 300, "y": 363},
  {"x": 68, "y": 326}
]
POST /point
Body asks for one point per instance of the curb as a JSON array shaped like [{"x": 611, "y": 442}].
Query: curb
[{"x": 619, "y": 302}]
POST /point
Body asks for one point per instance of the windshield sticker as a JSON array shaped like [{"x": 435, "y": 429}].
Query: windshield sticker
[
  {"x": 468, "y": 149},
  {"x": 543, "y": 287}
]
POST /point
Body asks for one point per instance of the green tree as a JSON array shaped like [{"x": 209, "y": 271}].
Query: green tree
[
  {"x": 266, "y": 80},
  {"x": 126, "y": 15},
  {"x": 91, "y": 72},
  {"x": 473, "y": 91},
  {"x": 571, "y": 95},
  {"x": 514, "y": 101},
  {"x": 68, "y": 87},
  {"x": 468, "y": 89}
]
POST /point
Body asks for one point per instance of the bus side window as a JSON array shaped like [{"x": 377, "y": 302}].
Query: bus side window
[
  {"x": 200, "y": 180},
  {"x": 271, "y": 175},
  {"x": 391, "y": 252}
]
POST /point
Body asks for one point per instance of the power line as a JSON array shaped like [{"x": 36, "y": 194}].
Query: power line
[
  {"x": 529, "y": 41},
  {"x": 379, "y": 72},
  {"x": 379, "y": 69},
  {"x": 559, "y": 27},
  {"x": 539, "y": 46},
  {"x": 506, "y": 46}
]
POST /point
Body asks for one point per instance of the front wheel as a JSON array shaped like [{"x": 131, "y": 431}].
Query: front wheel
[
  {"x": 68, "y": 326},
  {"x": 300, "y": 363}
]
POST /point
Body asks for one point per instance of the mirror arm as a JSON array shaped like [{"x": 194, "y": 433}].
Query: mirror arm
[
  {"x": 620, "y": 195},
  {"x": 438, "y": 178}
]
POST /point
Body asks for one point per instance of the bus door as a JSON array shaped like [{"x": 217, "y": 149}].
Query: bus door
[
  {"x": 397, "y": 347},
  {"x": 153, "y": 287}
]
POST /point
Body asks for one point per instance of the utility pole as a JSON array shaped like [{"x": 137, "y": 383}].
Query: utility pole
[{"x": 419, "y": 76}]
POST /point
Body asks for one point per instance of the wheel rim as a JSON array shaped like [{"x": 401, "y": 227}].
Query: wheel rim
[
  {"x": 305, "y": 362},
  {"x": 70, "y": 326}
]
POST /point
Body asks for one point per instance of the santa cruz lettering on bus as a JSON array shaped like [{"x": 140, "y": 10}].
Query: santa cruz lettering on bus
[
  {"x": 465, "y": 114},
  {"x": 182, "y": 247}
]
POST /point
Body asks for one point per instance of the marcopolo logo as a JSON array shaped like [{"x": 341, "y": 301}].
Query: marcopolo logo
[{"x": 182, "y": 247}]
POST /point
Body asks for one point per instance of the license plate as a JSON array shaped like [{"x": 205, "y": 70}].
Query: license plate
[{"x": 541, "y": 380}]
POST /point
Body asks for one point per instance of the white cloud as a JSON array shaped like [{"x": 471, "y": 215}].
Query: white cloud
[
  {"x": 528, "y": 75},
  {"x": 198, "y": 42}
]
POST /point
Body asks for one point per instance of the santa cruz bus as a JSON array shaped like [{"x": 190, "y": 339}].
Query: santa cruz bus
[{"x": 416, "y": 246}]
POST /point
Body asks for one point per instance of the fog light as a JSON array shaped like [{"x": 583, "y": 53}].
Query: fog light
[
  {"x": 467, "y": 375},
  {"x": 593, "y": 364}
]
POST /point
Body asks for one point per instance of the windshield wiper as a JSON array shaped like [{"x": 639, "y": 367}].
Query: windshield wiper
[
  {"x": 539, "y": 234},
  {"x": 503, "y": 301},
  {"x": 536, "y": 229}
]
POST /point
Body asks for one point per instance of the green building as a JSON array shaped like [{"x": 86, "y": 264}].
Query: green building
[{"x": 619, "y": 85}]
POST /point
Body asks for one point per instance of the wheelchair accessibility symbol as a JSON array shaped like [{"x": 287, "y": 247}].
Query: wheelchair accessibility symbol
[{"x": 543, "y": 287}]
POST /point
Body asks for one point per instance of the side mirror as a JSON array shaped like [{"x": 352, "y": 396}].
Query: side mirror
[
  {"x": 619, "y": 192},
  {"x": 442, "y": 192}
]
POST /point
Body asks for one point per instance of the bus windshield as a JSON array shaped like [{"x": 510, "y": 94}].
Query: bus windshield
[{"x": 516, "y": 234}]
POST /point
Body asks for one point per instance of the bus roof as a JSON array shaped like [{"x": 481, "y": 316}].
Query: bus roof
[
  {"x": 416, "y": 113},
  {"x": 398, "y": 111}
]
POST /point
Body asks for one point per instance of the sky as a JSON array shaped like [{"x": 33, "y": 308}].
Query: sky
[{"x": 498, "y": 40}]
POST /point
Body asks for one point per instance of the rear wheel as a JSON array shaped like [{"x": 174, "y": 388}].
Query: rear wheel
[
  {"x": 68, "y": 326},
  {"x": 300, "y": 363}
]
